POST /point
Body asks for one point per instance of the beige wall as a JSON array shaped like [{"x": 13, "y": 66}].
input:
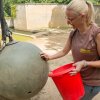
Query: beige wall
[
  {"x": 20, "y": 22},
  {"x": 10, "y": 22},
  {"x": 35, "y": 16},
  {"x": 97, "y": 14},
  {"x": 38, "y": 16},
  {"x": 32, "y": 17}
]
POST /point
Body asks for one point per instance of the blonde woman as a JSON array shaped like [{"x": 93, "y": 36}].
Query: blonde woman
[{"x": 84, "y": 44}]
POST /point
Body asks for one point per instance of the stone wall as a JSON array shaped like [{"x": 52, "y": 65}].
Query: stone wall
[
  {"x": 34, "y": 16},
  {"x": 30, "y": 17},
  {"x": 97, "y": 14},
  {"x": 20, "y": 22},
  {"x": 10, "y": 22}
]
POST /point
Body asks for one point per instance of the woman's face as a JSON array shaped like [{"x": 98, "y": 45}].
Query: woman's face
[{"x": 74, "y": 19}]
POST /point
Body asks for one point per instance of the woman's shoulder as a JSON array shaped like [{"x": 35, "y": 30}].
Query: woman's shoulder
[{"x": 95, "y": 29}]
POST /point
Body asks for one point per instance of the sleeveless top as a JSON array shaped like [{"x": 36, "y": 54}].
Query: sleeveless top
[{"x": 84, "y": 47}]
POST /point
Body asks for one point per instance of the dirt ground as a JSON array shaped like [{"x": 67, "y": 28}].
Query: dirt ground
[{"x": 50, "y": 42}]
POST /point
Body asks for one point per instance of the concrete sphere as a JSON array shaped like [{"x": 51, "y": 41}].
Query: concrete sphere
[{"x": 23, "y": 73}]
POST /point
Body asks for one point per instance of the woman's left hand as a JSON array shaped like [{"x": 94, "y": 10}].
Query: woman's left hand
[{"x": 78, "y": 66}]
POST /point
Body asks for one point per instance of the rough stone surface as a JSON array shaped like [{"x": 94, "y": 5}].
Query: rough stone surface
[{"x": 23, "y": 73}]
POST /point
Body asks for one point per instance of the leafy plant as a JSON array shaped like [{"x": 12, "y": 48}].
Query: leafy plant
[
  {"x": 9, "y": 3},
  {"x": 13, "y": 11}
]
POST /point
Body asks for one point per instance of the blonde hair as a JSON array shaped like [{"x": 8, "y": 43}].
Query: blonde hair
[{"x": 83, "y": 7}]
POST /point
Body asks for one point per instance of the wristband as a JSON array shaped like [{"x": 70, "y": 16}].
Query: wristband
[{"x": 85, "y": 63}]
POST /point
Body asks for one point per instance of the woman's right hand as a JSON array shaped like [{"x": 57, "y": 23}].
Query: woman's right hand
[{"x": 44, "y": 56}]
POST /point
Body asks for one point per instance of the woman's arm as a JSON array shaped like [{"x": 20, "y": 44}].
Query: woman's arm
[
  {"x": 96, "y": 63},
  {"x": 59, "y": 54},
  {"x": 63, "y": 52}
]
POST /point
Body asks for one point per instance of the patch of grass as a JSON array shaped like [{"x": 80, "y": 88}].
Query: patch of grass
[
  {"x": 21, "y": 37},
  {"x": 18, "y": 37}
]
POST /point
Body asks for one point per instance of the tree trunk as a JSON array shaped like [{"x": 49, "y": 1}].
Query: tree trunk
[{"x": 2, "y": 20}]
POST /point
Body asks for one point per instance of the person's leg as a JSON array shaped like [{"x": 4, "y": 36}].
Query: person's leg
[
  {"x": 90, "y": 92},
  {"x": 95, "y": 92}
]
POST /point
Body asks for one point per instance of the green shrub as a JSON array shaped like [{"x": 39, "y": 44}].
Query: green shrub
[{"x": 13, "y": 11}]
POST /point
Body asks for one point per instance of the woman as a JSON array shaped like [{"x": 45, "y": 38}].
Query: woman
[{"x": 84, "y": 43}]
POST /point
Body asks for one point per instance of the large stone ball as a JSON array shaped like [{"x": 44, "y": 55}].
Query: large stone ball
[{"x": 23, "y": 73}]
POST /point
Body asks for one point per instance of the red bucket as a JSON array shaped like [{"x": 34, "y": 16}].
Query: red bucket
[{"x": 70, "y": 87}]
